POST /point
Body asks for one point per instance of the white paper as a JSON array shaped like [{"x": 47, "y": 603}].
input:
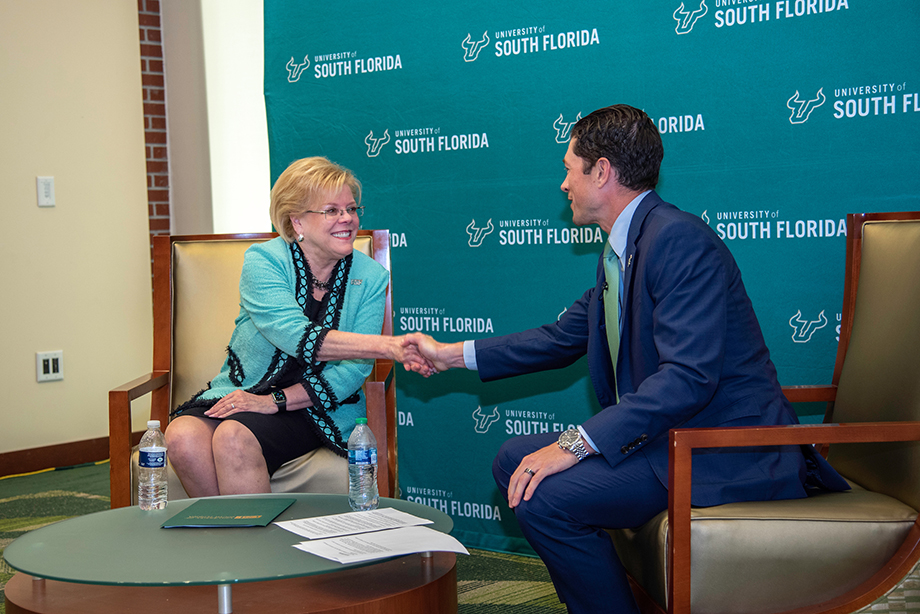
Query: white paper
[
  {"x": 382, "y": 544},
  {"x": 351, "y": 523}
]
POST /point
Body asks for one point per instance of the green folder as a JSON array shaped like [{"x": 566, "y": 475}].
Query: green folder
[{"x": 244, "y": 512}]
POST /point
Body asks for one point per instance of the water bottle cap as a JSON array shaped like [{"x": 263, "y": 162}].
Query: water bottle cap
[
  {"x": 153, "y": 424},
  {"x": 360, "y": 420}
]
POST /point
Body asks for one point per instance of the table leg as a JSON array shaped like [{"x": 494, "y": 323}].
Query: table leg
[{"x": 224, "y": 599}]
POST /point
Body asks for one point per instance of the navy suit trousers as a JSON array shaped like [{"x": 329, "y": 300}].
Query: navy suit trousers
[{"x": 565, "y": 518}]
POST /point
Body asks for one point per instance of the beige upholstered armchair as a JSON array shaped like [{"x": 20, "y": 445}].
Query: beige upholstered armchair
[
  {"x": 195, "y": 303},
  {"x": 833, "y": 552}
]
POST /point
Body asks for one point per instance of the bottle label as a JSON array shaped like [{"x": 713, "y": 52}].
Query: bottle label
[
  {"x": 152, "y": 458},
  {"x": 362, "y": 457}
]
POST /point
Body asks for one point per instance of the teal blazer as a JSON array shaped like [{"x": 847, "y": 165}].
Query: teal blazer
[{"x": 274, "y": 341}]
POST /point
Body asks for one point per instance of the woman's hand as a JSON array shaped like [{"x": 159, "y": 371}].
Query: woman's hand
[
  {"x": 240, "y": 401},
  {"x": 412, "y": 360}
]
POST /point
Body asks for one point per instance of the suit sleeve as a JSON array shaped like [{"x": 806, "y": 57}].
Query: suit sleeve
[
  {"x": 679, "y": 311},
  {"x": 551, "y": 346}
]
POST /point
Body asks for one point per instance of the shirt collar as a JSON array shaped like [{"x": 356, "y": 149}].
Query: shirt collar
[{"x": 620, "y": 230}]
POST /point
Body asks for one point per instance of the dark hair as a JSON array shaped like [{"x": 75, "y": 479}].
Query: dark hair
[{"x": 628, "y": 138}]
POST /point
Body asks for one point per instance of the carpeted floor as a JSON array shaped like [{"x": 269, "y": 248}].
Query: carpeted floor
[{"x": 487, "y": 582}]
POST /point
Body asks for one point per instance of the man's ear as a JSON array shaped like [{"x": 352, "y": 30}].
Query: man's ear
[{"x": 603, "y": 172}]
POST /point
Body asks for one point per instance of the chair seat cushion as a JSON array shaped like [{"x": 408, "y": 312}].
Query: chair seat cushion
[
  {"x": 770, "y": 556},
  {"x": 320, "y": 470}
]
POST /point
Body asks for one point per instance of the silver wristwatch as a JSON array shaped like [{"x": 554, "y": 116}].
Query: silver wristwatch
[{"x": 571, "y": 440}]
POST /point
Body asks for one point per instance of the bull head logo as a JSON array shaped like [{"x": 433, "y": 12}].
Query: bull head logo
[
  {"x": 472, "y": 49},
  {"x": 804, "y": 329},
  {"x": 484, "y": 420},
  {"x": 295, "y": 70},
  {"x": 801, "y": 109},
  {"x": 374, "y": 145},
  {"x": 478, "y": 234},
  {"x": 564, "y": 129},
  {"x": 686, "y": 19}
]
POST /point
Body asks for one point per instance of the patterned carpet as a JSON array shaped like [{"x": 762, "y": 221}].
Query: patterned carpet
[{"x": 487, "y": 582}]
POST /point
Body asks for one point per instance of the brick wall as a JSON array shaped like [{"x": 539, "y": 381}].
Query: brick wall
[{"x": 154, "y": 87}]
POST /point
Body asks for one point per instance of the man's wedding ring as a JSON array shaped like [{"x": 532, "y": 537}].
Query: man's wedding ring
[{"x": 529, "y": 470}]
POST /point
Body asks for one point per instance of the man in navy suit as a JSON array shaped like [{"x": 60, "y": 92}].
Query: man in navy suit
[{"x": 691, "y": 354}]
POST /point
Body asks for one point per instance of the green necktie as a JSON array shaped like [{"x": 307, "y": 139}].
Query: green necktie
[{"x": 612, "y": 307}]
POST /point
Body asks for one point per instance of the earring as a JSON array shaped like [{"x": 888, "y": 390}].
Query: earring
[{"x": 300, "y": 238}]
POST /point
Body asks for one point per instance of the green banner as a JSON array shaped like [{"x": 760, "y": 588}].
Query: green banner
[{"x": 777, "y": 117}]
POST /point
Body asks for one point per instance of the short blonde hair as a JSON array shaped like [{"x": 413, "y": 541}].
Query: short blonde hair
[{"x": 302, "y": 186}]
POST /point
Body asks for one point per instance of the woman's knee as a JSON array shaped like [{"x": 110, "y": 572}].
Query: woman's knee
[
  {"x": 185, "y": 438},
  {"x": 232, "y": 439}
]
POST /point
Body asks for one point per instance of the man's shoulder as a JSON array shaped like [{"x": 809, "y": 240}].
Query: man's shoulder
[{"x": 657, "y": 216}]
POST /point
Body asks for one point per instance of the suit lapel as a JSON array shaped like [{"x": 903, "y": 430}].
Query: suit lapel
[{"x": 648, "y": 203}]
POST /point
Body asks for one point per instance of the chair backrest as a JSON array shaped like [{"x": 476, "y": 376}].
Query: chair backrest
[
  {"x": 878, "y": 361},
  {"x": 197, "y": 301}
]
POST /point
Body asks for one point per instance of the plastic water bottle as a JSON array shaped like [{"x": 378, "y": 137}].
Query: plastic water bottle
[
  {"x": 151, "y": 470},
  {"x": 362, "y": 468}
]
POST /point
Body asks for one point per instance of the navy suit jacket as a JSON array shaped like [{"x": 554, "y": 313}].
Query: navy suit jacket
[{"x": 691, "y": 355}]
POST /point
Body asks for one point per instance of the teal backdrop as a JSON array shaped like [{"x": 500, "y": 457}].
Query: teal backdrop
[{"x": 777, "y": 117}]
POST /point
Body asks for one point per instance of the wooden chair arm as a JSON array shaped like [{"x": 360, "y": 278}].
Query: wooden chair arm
[
  {"x": 380, "y": 393},
  {"x": 120, "y": 399},
  {"x": 684, "y": 441},
  {"x": 810, "y": 394}
]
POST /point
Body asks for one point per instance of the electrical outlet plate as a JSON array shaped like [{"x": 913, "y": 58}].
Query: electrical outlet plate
[
  {"x": 45, "y": 188},
  {"x": 49, "y": 366}
]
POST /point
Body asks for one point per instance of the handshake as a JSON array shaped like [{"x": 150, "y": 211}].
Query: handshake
[{"x": 422, "y": 354}]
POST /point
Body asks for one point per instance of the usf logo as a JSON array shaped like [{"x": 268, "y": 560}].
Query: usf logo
[
  {"x": 295, "y": 70},
  {"x": 478, "y": 234},
  {"x": 484, "y": 420},
  {"x": 804, "y": 329},
  {"x": 686, "y": 19},
  {"x": 564, "y": 128},
  {"x": 375, "y": 145},
  {"x": 472, "y": 48},
  {"x": 801, "y": 109}
]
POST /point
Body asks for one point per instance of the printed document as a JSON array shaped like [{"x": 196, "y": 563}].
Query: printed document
[
  {"x": 382, "y": 544},
  {"x": 350, "y": 523}
]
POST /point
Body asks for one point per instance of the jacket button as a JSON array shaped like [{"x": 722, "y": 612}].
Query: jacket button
[
  {"x": 624, "y": 450},
  {"x": 644, "y": 437}
]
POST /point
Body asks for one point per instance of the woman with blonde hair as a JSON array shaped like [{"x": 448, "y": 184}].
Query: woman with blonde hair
[{"x": 308, "y": 331}]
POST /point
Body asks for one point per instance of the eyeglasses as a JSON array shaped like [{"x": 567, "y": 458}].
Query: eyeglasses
[{"x": 334, "y": 213}]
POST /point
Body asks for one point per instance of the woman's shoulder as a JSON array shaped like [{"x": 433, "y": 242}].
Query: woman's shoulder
[
  {"x": 275, "y": 249},
  {"x": 367, "y": 267}
]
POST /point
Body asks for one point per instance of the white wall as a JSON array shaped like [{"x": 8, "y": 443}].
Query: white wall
[
  {"x": 75, "y": 277},
  {"x": 233, "y": 54},
  {"x": 218, "y": 136}
]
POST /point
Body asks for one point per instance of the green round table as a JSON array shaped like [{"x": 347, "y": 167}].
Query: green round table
[{"x": 126, "y": 548}]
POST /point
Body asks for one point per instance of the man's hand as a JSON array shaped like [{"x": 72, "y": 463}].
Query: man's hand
[
  {"x": 534, "y": 468},
  {"x": 442, "y": 356},
  {"x": 408, "y": 354}
]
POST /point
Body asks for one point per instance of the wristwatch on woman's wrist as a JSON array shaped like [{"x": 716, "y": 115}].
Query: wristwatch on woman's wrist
[{"x": 280, "y": 400}]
